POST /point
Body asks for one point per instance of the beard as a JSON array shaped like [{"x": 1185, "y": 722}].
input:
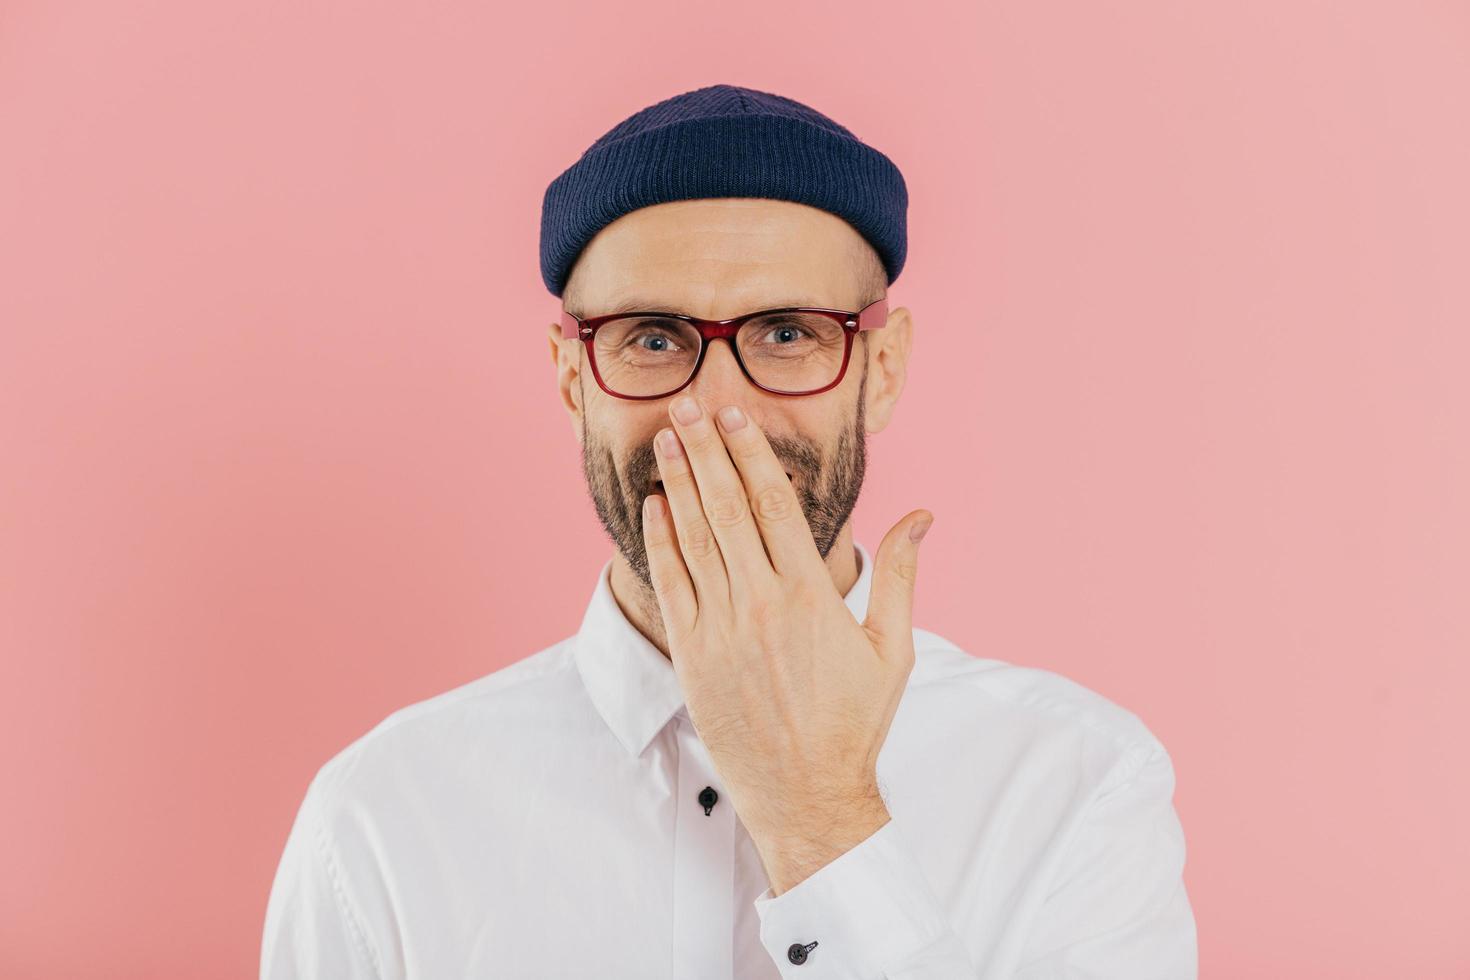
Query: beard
[{"x": 827, "y": 486}]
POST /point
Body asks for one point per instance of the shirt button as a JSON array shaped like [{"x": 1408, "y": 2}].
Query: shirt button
[
  {"x": 707, "y": 798},
  {"x": 796, "y": 952}
]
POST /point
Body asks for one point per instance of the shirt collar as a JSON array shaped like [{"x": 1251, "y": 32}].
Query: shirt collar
[{"x": 631, "y": 684}]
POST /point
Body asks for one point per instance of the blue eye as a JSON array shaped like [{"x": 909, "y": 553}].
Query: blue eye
[
  {"x": 638, "y": 337},
  {"x": 788, "y": 326},
  {"x": 655, "y": 336}
]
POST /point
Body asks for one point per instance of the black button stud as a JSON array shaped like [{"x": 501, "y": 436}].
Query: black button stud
[
  {"x": 796, "y": 952},
  {"x": 707, "y": 798}
]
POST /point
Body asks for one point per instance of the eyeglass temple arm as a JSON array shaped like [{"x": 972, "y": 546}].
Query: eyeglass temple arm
[
  {"x": 874, "y": 315},
  {"x": 569, "y": 326}
]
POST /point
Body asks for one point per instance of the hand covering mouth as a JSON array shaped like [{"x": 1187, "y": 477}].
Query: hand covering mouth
[{"x": 658, "y": 485}]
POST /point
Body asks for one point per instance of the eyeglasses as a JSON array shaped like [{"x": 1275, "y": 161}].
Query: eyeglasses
[{"x": 797, "y": 350}]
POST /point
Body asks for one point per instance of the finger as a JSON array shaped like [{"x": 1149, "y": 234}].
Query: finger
[
  {"x": 726, "y": 504},
  {"x": 890, "y": 614},
  {"x": 696, "y": 539},
  {"x": 773, "y": 502},
  {"x": 671, "y": 582}
]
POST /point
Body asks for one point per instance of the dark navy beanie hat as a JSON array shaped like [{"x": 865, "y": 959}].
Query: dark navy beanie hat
[{"x": 723, "y": 141}]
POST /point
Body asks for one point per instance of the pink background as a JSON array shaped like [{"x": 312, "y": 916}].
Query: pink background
[{"x": 282, "y": 450}]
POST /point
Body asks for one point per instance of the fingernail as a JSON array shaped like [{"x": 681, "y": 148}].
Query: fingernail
[
  {"x": 686, "y": 410},
  {"x": 917, "y": 532},
  {"x": 731, "y": 418},
  {"x": 669, "y": 443}
]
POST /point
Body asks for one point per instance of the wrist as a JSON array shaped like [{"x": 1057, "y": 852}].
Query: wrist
[{"x": 796, "y": 854}]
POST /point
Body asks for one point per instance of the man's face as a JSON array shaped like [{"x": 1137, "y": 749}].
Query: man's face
[{"x": 718, "y": 258}]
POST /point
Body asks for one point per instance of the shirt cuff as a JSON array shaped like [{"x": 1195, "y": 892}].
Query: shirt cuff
[{"x": 870, "y": 912}]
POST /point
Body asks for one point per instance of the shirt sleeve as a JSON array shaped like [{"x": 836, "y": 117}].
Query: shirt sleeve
[
  {"x": 869, "y": 914},
  {"x": 1119, "y": 908},
  {"x": 311, "y": 928}
]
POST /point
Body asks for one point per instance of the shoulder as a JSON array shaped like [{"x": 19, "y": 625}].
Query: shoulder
[
  {"x": 438, "y": 732},
  {"x": 1029, "y": 704}
]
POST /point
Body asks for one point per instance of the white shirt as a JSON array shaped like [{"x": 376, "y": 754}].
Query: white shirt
[{"x": 549, "y": 820}]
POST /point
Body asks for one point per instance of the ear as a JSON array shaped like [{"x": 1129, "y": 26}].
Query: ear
[
  {"x": 888, "y": 363},
  {"x": 568, "y": 364}
]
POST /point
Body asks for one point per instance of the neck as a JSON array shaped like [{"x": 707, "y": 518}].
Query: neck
[{"x": 640, "y": 605}]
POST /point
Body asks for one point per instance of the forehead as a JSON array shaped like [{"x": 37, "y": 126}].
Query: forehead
[{"x": 717, "y": 257}]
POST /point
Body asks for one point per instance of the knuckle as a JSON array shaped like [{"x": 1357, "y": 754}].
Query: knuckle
[
  {"x": 724, "y": 509},
  {"x": 699, "y": 440},
  {"x": 681, "y": 478},
  {"x": 774, "y": 503},
  {"x": 662, "y": 589},
  {"x": 698, "y": 540},
  {"x": 907, "y": 571},
  {"x": 747, "y": 458}
]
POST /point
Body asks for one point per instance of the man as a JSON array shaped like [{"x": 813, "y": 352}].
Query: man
[{"x": 747, "y": 762}]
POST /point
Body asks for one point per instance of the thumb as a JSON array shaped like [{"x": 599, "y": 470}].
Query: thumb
[{"x": 891, "y": 601}]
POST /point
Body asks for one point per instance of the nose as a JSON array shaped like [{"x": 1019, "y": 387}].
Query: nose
[{"x": 720, "y": 381}]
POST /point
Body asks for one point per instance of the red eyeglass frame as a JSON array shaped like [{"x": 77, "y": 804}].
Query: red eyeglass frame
[{"x": 870, "y": 317}]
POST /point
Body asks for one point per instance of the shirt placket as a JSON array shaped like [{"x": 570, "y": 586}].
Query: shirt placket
[{"x": 704, "y": 864}]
